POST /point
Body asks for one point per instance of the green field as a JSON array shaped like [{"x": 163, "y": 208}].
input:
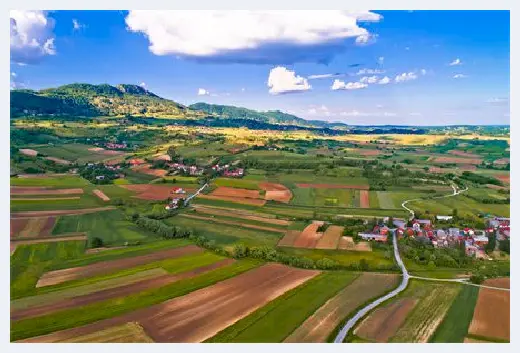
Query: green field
[
  {"x": 73, "y": 152},
  {"x": 109, "y": 226},
  {"x": 325, "y": 197},
  {"x": 237, "y": 183},
  {"x": 227, "y": 234},
  {"x": 56, "y": 182},
  {"x": 37, "y": 204},
  {"x": 280, "y": 317},
  {"x": 454, "y": 327},
  {"x": 464, "y": 206},
  {"x": 376, "y": 259},
  {"x": 113, "y": 307}
]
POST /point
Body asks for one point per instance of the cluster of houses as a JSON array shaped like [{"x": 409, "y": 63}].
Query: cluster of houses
[
  {"x": 115, "y": 146},
  {"x": 192, "y": 170},
  {"x": 175, "y": 201},
  {"x": 227, "y": 171},
  {"x": 475, "y": 240}
]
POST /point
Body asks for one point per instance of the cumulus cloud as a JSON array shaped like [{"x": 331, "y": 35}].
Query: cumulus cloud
[
  {"x": 32, "y": 36},
  {"x": 202, "y": 92},
  {"x": 281, "y": 80},
  {"x": 405, "y": 76},
  {"x": 459, "y": 76},
  {"x": 268, "y": 37},
  {"x": 455, "y": 62},
  {"x": 384, "y": 81},
  {"x": 338, "y": 84},
  {"x": 368, "y": 79},
  {"x": 369, "y": 72}
]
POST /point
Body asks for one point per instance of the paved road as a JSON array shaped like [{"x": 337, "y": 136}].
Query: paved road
[
  {"x": 188, "y": 199},
  {"x": 361, "y": 313}
]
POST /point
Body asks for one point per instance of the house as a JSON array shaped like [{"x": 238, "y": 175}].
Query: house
[
  {"x": 100, "y": 177},
  {"x": 444, "y": 218},
  {"x": 423, "y": 221},
  {"x": 399, "y": 223},
  {"x": 178, "y": 191},
  {"x": 480, "y": 240},
  {"x": 453, "y": 232},
  {"x": 173, "y": 204},
  {"x": 371, "y": 236},
  {"x": 416, "y": 226},
  {"x": 441, "y": 234},
  {"x": 471, "y": 250}
]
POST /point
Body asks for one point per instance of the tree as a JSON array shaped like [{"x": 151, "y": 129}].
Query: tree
[
  {"x": 363, "y": 265},
  {"x": 172, "y": 152},
  {"x": 504, "y": 245},
  {"x": 97, "y": 242}
]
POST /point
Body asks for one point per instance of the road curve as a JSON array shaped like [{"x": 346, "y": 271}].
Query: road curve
[
  {"x": 361, "y": 313},
  {"x": 404, "y": 283},
  {"x": 188, "y": 199}
]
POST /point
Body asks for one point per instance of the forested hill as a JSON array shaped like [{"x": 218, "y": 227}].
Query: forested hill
[
  {"x": 80, "y": 99},
  {"x": 232, "y": 112}
]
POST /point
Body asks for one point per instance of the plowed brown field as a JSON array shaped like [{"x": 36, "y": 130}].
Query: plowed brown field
[
  {"x": 58, "y": 160},
  {"x": 319, "y": 326},
  {"x": 235, "y": 192},
  {"x": 456, "y": 160},
  {"x": 17, "y": 225},
  {"x": 153, "y": 192},
  {"x": 101, "y": 195},
  {"x": 69, "y": 274},
  {"x": 199, "y": 315},
  {"x": 384, "y": 322},
  {"x": 276, "y": 192},
  {"x": 308, "y": 238},
  {"x": 146, "y": 169},
  {"x": 241, "y": 200},
  {"x": 364, "y": 201},
  {"x": 492, "y": 312},
  {"x": 463, "y": 154},
  {"x": 289, "y": 238},
  {"x": 330, "y": 238},
  {"x": 120, "y": 291},
  {"x": 347, "y": 243},
  {"x": 37, "y": 227},
  {"x": 333, "y": 186}
]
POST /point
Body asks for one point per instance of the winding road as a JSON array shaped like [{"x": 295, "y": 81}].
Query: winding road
[
  {"x": 406, "y": 277},
  {"x": 188, "y": 199}
]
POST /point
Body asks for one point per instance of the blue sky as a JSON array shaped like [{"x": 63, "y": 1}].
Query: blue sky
[{"x": 395, "y": 67}]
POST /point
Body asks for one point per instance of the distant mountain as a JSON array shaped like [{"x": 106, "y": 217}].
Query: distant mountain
[
  {"x": 81, "y": 99},
  {"x": 232, "y": 112}
]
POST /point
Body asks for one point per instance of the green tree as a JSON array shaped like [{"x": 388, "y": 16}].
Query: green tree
[{"x": 97, "y": 242}]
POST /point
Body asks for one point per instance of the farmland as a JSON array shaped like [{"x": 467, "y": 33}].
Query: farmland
[{"x": 268, "y": 251}]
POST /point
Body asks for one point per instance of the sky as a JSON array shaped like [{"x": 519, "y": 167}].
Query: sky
[{"x": 360, "y": 68}]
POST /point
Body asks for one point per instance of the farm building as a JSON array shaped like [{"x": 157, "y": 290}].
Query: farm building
[
  {"x": 444, "y": 218},
  {"x": 178, "y": 191}
]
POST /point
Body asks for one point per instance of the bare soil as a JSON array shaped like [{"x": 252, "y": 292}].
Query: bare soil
[
  {"x": 101, "y": 195},
  {"x": 364, "y": 201},
  {"x": 308, "y": 237},
  {"x": 330, "y": 238},
  {"x": 235, "y": 192}
]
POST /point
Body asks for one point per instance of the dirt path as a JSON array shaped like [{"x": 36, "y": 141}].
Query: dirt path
[
  {"x": 116, "y": 292},
  {"x": 101, "y": 195},
  {"x": 223, "y": 221},
  {"x": 69, "y": 274},
  {"x": 201, "y": 314},
  {"x": 25, "y": 214}
]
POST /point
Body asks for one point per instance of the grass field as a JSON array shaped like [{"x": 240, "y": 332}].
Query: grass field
[
  {"x": 237, "y": 183},
  {"x": 454, "y": 327},
  {"x": 227, "y": 234},
  {"x": 73, "y": 152},
  {"x": 29, "y": 261},
  {"x": 376, "y": 259},
  {"x": 110, "y": 226},
  {"x": 56, "y": 182},
  {"x": 40, "y": 204},
  {"x": 464, "y": 205},
  {"x": 434, "y": 301},
  {"x": 113, "y": 307},
  {"x": 325, "y": 197},
  {"x": 276, "y": 320}
]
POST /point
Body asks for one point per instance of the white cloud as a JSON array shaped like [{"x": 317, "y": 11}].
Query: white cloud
[
  {"x": 202, "y": 92},
  {"x": 338, "y": 84},
  {"x": 370, "y": 72},
  {"x": 379, "y": 106},
  {"x": 13, "y": 74},
  {"x": 405, "y": 76},
  {"x": 389, "y": 114},
  {"x": 498, "y": 101},
  {"x": 243, "y": 89},
  {"x": 368, "y": 79},
  {"x": 385, "y": 80},
  {"x": 319, "y": 76},
  {"x": 415, "y": 114},
  {"x": 76, "y": 25},
  {"x": 381, "y": 60},
  {"x": 423, "y": 72},
  {"x": 406, "y": 48},
  {"x": 282, "y": 80},
  {"x": 455, "y": 62},
  {"x": 250, "y": 36},
  {"x": 15, "y": 81},
  {"x": 459, "y": 76},
  {"x": 353, "y": 113},
  {"x": 142, "y": 84},
  {"x": 31, "y": 36}
]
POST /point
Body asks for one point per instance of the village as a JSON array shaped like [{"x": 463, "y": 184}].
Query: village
[{"x": 475, "y": 240}]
